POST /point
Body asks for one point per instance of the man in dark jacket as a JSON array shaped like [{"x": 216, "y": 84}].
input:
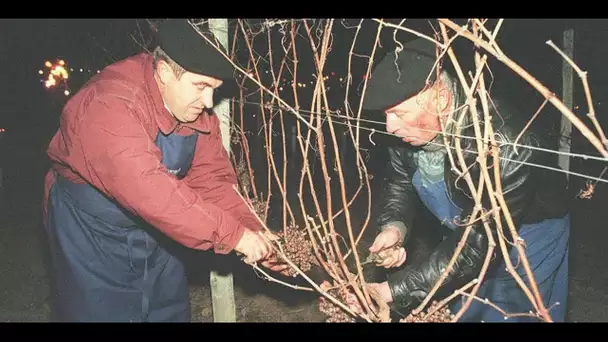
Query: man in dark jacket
[{"x": 420, "y": 170}]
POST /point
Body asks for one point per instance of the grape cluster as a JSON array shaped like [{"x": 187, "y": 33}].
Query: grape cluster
[
  {"x": 260, "y": 209},
  {"x": 243, "y": 176},
  {"x": 297, "y": 249},
  {"x": 235, "y": 138},
  {"x": 442, "y": 315},
  {"x": 334, "y": 313}
]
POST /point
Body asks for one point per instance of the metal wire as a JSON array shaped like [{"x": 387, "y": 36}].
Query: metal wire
[
  {"x": 470, "y": 151},
  {"x": 338, "y": 115}
]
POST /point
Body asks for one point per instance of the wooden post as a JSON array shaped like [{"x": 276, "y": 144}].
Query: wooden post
[
  {"x": 222, "y": 288},
  {"x": 568, "y": 98}
]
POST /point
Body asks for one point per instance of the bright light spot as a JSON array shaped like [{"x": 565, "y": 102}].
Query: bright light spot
[
  {"x": 40, "y": 72},
  {"x": 48, "y": 64},
  {"x": 281, "y": 88},
  {"x": 63, "y": 72},
  {"x": 67, "y": 92},
  {"x": 81, "y": 70},
  {"x": 61, "y": 62},
  {"x": 98, "y": 71}
]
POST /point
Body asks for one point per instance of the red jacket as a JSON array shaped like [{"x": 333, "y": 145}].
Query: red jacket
[{"x": 106, "y": 137}]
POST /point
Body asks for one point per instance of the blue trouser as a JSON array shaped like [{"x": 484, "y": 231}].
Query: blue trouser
[
  {"x": 547, "y": 253},
  {"x": 108, "y": 265}
]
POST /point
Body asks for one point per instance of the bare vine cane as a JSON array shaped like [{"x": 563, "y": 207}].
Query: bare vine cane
[
  {"x": 320, "y": 229},
  {"x": 278, "y": 249},
  {"x": 595, "y": 141}
]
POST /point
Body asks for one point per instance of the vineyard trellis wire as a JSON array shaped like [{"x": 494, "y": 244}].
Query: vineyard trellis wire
[{"x": 309, "y": 236}]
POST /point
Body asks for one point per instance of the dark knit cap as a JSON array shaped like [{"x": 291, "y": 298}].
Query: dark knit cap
[
  {"x": 185, "y": 45},
  {"x": 388, "y": 87}
]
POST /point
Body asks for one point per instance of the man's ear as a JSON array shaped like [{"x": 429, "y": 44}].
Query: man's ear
[
  {"x": 164, "y": 71},
  {"x": 442, "y": 98}
]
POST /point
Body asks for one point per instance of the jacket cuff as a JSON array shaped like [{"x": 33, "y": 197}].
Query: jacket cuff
[
  {"x": 399, "y": 225},
  {"x": 227, "y": 245}
]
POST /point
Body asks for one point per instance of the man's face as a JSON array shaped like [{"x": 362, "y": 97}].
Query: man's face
[
  {"x": 187, "y": 96},
  {"x": 415, "y": 120}
]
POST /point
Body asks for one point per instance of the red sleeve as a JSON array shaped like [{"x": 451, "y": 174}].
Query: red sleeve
[
  {"x": 122, "y": 160},
  {"x": 214, "y": 178}
]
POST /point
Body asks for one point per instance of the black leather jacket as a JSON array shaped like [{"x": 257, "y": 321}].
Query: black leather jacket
[{"x": 532, "y": 194}]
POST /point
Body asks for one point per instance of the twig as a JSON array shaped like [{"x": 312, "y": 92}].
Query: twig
[
  {"x": 528, "y": 125},
  {"x": 269, "y": 278},
  {"x": 583, "y": 76},
  {"x": 243, "y": 72},
  {"x": 319, "y": 61},
  {"x": 537, "y": 85},
  {"x": 321, "y": 231},
  {"x": 450, "y": 297},
  {"x": 298, "y": 270},
  {"x": 506, "y": 315},
  {"x": 414, "y": 32}
]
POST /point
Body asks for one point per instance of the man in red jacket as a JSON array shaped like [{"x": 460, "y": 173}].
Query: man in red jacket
[{"x": 137, "y": 164}]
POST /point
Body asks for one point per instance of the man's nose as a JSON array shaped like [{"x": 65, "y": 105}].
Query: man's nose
[
  {"x": 208, "y": 98},
  {"x": 393, "y": 123}
]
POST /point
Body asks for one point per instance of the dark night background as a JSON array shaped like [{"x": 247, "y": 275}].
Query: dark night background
[{"x": 30, "y": 113}]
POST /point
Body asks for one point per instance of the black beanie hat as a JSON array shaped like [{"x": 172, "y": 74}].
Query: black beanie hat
[
  {"x": 393, "y": 81},
  {"x": 185, "y": 45}
]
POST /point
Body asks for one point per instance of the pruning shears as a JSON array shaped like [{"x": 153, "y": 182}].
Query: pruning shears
[{"x": 375, "y": 257}]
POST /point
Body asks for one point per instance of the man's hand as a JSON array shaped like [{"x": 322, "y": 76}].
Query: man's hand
[
  {"x": 275, "y": 265},
  {"x": 381, "y": 288},
  {"x": 384, "y": 290},
  {"x": 272, "y": 263},
  {"x": 254, "y": 246},
  {"x": 383, "y": 246}
]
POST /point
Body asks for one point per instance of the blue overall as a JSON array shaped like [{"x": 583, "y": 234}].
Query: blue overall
[
  {"x": 107, "y": 264},
  {"x": 547, "y": 253}
]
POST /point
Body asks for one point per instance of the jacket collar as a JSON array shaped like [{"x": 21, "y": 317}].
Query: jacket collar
[{"x": 165, "y": 121}]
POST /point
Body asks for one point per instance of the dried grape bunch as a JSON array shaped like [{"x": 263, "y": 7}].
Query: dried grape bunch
[
  {"x": 297, "y": 249},
  {"x": 260, "y": 209},
  {"x": 243, "y": 176},
  {"x": 235, "y": 139},
  {"x": 442, "y": 315},
  {"x": 334, "y": 313}
]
